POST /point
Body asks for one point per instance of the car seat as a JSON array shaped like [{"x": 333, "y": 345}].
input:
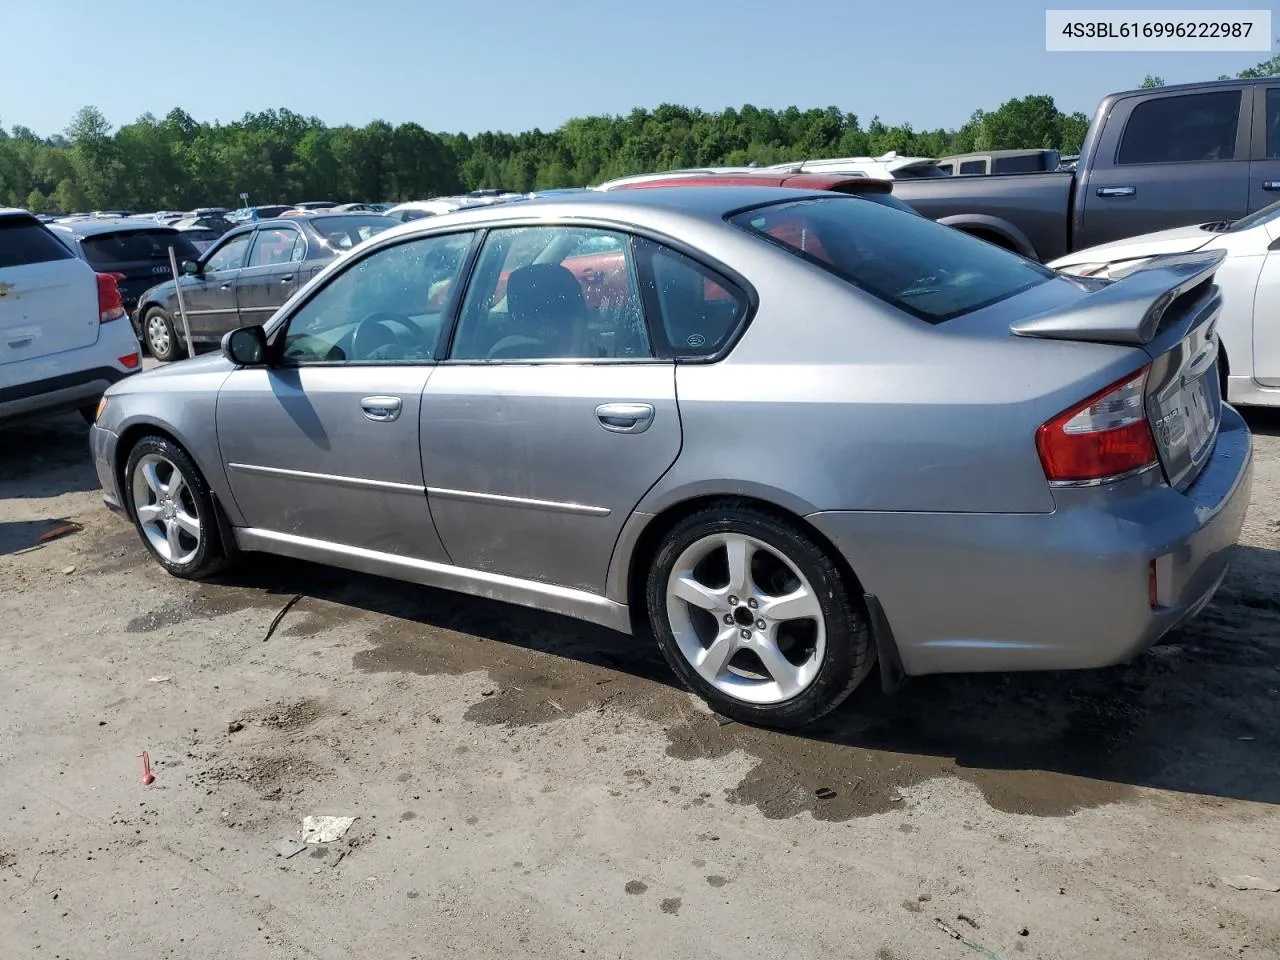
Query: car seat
[{"x": 546, "y": 311}]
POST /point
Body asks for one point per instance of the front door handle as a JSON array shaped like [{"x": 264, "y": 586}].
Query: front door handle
[
  {"x": 1271, "y": 184},
  {"x": 286, "y": 279},
  {"x": 625, "y": 417},
  {"x": 225, "y": 286},
  {"x": 1117, "y": 191},
  {"x": 381, "y": 409}
]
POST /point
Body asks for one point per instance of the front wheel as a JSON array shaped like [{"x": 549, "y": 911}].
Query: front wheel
[
  {"x": 756, "y": 618},
  {"x": 173, "y": 509},
  {"x": 160, "y": 336}
]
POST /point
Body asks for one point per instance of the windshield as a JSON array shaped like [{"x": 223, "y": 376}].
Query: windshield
[
  {"x": 105, "y": 249},
  {"x": 928, "y": 270},
  {"x": 344, "y": 232},
  {"x": 1265, "y": 215}
]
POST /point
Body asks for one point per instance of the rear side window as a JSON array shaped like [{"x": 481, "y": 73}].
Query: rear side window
[
  {"x": 697, "y": 310},
  {"x": 973, "y": 166},
  {"x": 928, "y": 270},
  {"x": 1186, "y": 129},
  {"x": 26, "y": 240},
  {"x": 131, "y": 246}
]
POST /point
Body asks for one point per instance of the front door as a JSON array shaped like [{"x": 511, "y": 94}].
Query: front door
[
  {"x": 210, "y": 296},
  {"x": 324, "y": 445},
  {"x": 551, "y": 418},
  {"x": 271, "y": 274},
  {"x": 1167, "y": 161}
]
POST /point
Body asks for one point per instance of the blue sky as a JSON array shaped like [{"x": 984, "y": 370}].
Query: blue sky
[{"x": 514, "y": 65}]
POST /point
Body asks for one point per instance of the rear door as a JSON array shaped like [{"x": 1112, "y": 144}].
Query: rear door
[
  {"x": 48, "y": 296},
  {"x": 210, "y": 296},
  {"x": 141, "y": 256},
  {"x": 1264, "y": 166},
  {"x": 271, "y": 274},
  {"x": 1168, "y": 160}
]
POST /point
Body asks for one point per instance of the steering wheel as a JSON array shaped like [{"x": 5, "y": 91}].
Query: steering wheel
[{"x": 375, "y": 340}]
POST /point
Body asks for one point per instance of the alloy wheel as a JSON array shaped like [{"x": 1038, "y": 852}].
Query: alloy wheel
[
  {"x": 158, "y": 335},
  {"x": 746, "y": 619},
  {"x": 166, "y": 509}
]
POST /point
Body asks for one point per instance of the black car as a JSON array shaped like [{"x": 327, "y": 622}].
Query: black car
[
  {"x": 136, "y": 250},
  {"x": 243, "y": 277}
]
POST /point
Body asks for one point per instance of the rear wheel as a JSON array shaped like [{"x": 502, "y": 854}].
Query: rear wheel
[
  {"x": 756, "y": 618},
  {"x": 160, "y": 336},
  {"x": 173, "y": 509}
]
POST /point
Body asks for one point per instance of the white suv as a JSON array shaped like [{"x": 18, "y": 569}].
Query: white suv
[{"x": 64, "y": 334}]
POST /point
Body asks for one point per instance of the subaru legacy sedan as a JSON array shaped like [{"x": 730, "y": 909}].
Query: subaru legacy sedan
[{"x": 790, "y": 434}]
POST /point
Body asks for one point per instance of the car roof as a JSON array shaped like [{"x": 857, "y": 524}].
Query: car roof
[
  {"x": 15, "y": 212},
  {"x": 94, "y": 226},
  {"x": 834, "y": 182},
  {"x": 708, "y": 203}
]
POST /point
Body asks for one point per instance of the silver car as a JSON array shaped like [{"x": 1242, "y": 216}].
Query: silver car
[{"x": 790, "y": 434}]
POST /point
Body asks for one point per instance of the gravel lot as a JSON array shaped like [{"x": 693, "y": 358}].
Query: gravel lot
[{"x": 525, "y": 785}]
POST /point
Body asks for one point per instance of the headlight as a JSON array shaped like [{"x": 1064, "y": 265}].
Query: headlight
[{"x": 102, "y": 405}]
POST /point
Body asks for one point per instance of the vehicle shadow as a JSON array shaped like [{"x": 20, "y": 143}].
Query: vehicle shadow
[
  {"x": 45, "y": 457},
  {"x": 1264, "y": 421},
  {"x": 1199, "y": 713}
]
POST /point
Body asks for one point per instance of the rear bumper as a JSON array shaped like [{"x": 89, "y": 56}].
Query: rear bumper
[
  {"x": 1063, "y": 590},
  {"x": 70, "y": 380}
]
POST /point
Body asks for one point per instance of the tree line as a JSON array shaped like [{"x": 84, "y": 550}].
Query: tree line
[{"x": 177, "y": 163}]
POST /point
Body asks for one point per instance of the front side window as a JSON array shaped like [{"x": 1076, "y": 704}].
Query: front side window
[
  {"x": 229, "y": 256},
  {"x": 921, "y": 267},
  {"x": 274, "y": 245},
  {"x": 1186, "y": 129},
  {"x": 543, "y": 293},
  {"x": 389, "y": 307},
  {"x": 340, "y": 233}
]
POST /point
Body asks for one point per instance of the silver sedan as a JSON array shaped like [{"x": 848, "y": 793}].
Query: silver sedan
[{"x": 788, "y": 434}]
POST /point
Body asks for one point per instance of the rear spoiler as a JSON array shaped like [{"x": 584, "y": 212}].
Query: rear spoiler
[{"x": 1128, "y": 310}]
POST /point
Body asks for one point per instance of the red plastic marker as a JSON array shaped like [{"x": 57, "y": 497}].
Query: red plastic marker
[{"x": 147, "y": 776}]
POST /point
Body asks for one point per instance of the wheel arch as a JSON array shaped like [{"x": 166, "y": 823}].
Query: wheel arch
[
  {"x": 994, "y": 230},
  {"x": 644, "y": 532},
  {"x": 127, "y": 438}
]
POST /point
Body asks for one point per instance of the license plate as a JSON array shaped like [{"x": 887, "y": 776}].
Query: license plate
[{"x": 1199, "y": 415}]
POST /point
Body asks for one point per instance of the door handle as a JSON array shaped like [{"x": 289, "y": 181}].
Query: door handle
[
  {"x": 286, "y": 279},
  {"x": 225, "y": 286},
  {"x": 1117, "y": 191},
  {"x": 625, "y": 417},
  {"x": 1271, "y": 184},
  {"x": 381, "y": 409}
]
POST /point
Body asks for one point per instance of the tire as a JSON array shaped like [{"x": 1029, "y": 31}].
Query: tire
[
  {"x": 160, "y": 336},
  {"x": 148, "y": 491},
  {"x": 811, "y": 663}
]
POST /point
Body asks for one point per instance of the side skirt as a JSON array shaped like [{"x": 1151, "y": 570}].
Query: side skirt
[{"x": 570, "y": 602}]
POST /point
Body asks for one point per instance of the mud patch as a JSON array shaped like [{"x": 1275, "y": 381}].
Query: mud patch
[
  {"x": 274, "y": 778},
  {"x": 289, "y": 716},
  {"x": 636, "y": 887},
  {"x": 207, "y": 602},
  {"x": 671, "y": 905},
  {"x": 115, "y": 551},
  {"x": 7, "y": 859}
]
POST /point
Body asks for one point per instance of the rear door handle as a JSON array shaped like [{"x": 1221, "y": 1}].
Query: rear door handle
[
  {"x": 225, "y": 286},
  {"x": 381, "y": 409},
  {"x": 1117, "y": 191},
  {"x": 286, "y": 279},
  {"x": 1271, "y": 184},
  {"x": 625, "y": 417}
]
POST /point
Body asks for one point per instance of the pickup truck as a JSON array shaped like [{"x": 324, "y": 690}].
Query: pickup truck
[{"x": 1152, "y": 159}]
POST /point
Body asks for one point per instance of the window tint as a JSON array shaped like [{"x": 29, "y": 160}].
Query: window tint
[
  {"x": 108, "y": 249},
  {"x": 553, "y": 292},
  {"x": 926, "y": 269},
  {"x": 1198, "y": 126},
  {"x": 229, "y": 256},
  {"x": 698, "y": 310},
  {"x": 25, "y": 240},
  {"x": 1030, "y": 163},
  {"x": 387, "y": 308},
  {"x": 273, "y": 245},
  {"x": 973, "y": 166},
  {"x": 1273, "y": 123}
]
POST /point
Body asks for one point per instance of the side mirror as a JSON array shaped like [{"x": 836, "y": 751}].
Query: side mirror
[
  {"x": 246, "y": 347},
  {"x": 191, "y": 268}
]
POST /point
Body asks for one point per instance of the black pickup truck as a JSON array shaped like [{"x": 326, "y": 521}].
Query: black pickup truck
[{"x": 1152, "y": 159}]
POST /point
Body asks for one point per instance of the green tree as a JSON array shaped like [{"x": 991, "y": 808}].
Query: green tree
[{"x": 1150, "y": 82}]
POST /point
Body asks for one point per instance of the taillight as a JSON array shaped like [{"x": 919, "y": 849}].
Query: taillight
[
  {"x": 110, "y": 306},
  {"x": 1103, "y": 437}
]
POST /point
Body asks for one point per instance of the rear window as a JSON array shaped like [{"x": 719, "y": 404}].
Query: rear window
[
  {"x": 928, "y": 270},
  {"x": 132, "y": 246},
  {"x": 344, "y": 232},
  {"x": 25, "y": 240}
]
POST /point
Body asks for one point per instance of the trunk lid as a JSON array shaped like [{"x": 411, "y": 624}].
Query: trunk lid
[
  {"x": 1169, "y": 308},
  {"x": 48, "y": 297}
]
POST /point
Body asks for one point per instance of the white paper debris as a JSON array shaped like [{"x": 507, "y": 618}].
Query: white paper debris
[
  {"x": 157, "y": 679},
  {"x": 325, "y": 829}
]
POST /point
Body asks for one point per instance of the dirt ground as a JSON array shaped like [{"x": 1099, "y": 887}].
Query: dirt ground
[{"x": 525, "y": 785}]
